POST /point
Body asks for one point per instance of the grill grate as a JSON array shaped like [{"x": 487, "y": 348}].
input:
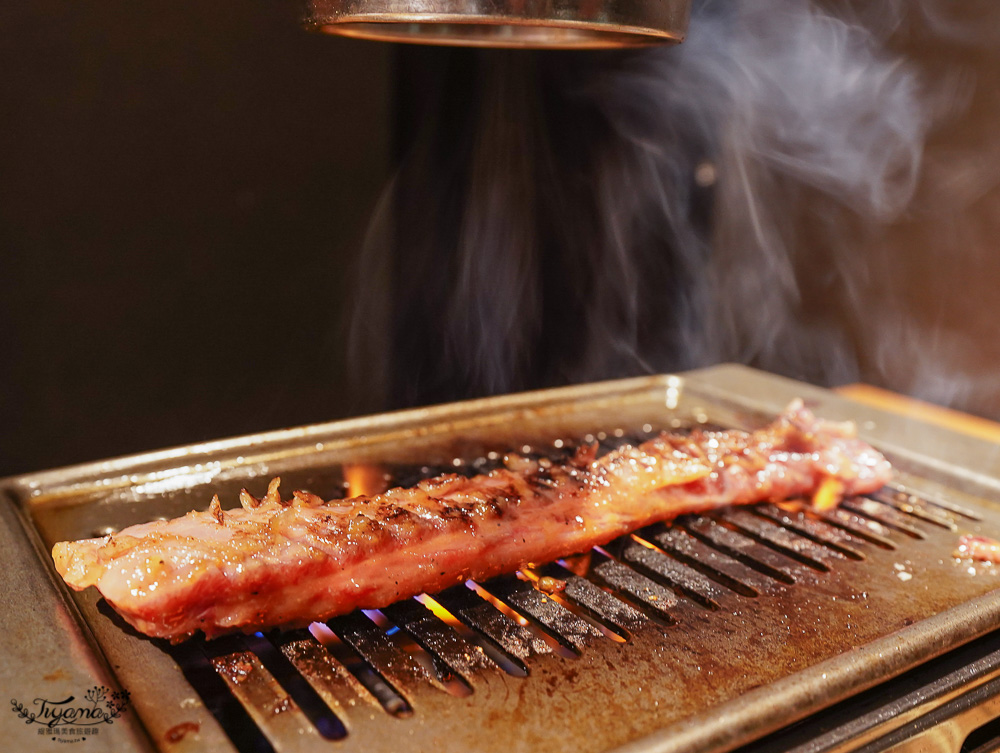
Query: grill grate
[
  {"x": 705, "y": 633},
  {"x": 290, "y": 684}
]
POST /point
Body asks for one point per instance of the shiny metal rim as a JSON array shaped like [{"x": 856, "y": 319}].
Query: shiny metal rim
[{"x": 559, "y": 24}]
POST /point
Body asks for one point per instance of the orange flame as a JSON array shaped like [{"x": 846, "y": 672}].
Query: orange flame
[
  {"x": 364, "y": 479},
  {"x": 506, "y": 609},
  {"x": 829, "y": 493},
  {"x": 439, "y": 610}
]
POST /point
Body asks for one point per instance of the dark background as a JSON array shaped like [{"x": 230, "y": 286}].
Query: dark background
[{"x": 183, "y": 188}]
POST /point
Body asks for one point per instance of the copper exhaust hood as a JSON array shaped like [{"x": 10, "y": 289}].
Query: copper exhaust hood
[{"x": 554, "y": 24}]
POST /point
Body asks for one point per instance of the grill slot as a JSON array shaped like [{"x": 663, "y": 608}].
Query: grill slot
[
  {"x": 781, "y": 539},
  {"x": 683, "y": 580},
  {"x": 649, "y": 597},
  {"x": 509, "y": 663},
  {"x": 864, "y": 528},
  {"x": 439, "y": 639},
  {"x": 300, "y": 692},
  {"x": 433, "y": 666},
  {"x": 984, "y": 739},
  {"x": 905, "y": 492},
  {"x": 552, "y": 580},
  {"x": 535, "y": 627},
  {"x": 695, "y": 554},
  {"x": 374, "y": 683},
  {"x": 885, "y": 514},
  {"x": 597, "y": 603},
  {"x": 571, "y": 631},
  {"x": 816, "y": 530},
  {"x": 396, "y": 667},
  {"x": 205, "y": 680},
  {"x": 912, "y": 505},
  {"x": 273, "y": 711},
  {"x": 511, "y": 637},
  {"x": 338, "y": 688},
  {"x": 751, "y": 553}
]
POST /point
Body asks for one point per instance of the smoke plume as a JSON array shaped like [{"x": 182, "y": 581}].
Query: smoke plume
[{"x": 564, "y": 217}]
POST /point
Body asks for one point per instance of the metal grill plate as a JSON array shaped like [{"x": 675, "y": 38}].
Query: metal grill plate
[{"x": 701, "y": 635}]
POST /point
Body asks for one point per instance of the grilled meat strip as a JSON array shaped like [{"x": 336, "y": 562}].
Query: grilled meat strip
[
  {"x": 290, "y": 562},
  {"x": 978, "y": 548}
]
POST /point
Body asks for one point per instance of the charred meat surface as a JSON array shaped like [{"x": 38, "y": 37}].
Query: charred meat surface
[{"x": 289, "y": 562}]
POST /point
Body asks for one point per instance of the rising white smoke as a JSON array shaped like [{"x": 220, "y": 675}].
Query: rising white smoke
[
  {"x": 819, "y": 134},
  {"x": 717, "y": 201}
]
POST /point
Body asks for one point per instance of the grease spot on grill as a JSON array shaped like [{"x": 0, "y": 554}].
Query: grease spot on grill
[
  {"x": 551, "y": 585},
  {"x": 179, "y": 731},
  {"x": 236, "y": 668}
]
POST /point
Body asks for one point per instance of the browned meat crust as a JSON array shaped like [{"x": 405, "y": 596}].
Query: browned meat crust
[{"x": 292, "y": 561}]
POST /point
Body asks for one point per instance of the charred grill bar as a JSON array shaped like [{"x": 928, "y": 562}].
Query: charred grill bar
[{"x": 710, "y": 633}]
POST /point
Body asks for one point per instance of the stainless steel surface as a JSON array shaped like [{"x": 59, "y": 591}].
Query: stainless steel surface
[
  {"x": 702, "y": 635},
  {"x": 577, "y": 24},
  {"x": 949, "y": 705},
  {"x": 48, "y": 653}
]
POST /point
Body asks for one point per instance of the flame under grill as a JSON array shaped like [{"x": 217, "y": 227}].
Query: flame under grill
[
  {"x": 311, "y": 683},
  {"x": 705, "y": 633}
]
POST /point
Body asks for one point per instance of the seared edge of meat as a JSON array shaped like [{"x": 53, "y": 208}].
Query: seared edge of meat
[
  {"x": 978, "y": 548},
  {"x": 289, "y": 562}
]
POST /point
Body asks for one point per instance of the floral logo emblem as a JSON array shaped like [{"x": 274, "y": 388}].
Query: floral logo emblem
[{"x": 72, "y": 719}]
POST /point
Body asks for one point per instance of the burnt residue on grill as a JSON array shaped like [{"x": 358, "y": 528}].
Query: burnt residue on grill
[
  {"x": 576, "y": 655},
  {"x": 736, "y": 595},
  {"x": 179, "y": 731}
]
